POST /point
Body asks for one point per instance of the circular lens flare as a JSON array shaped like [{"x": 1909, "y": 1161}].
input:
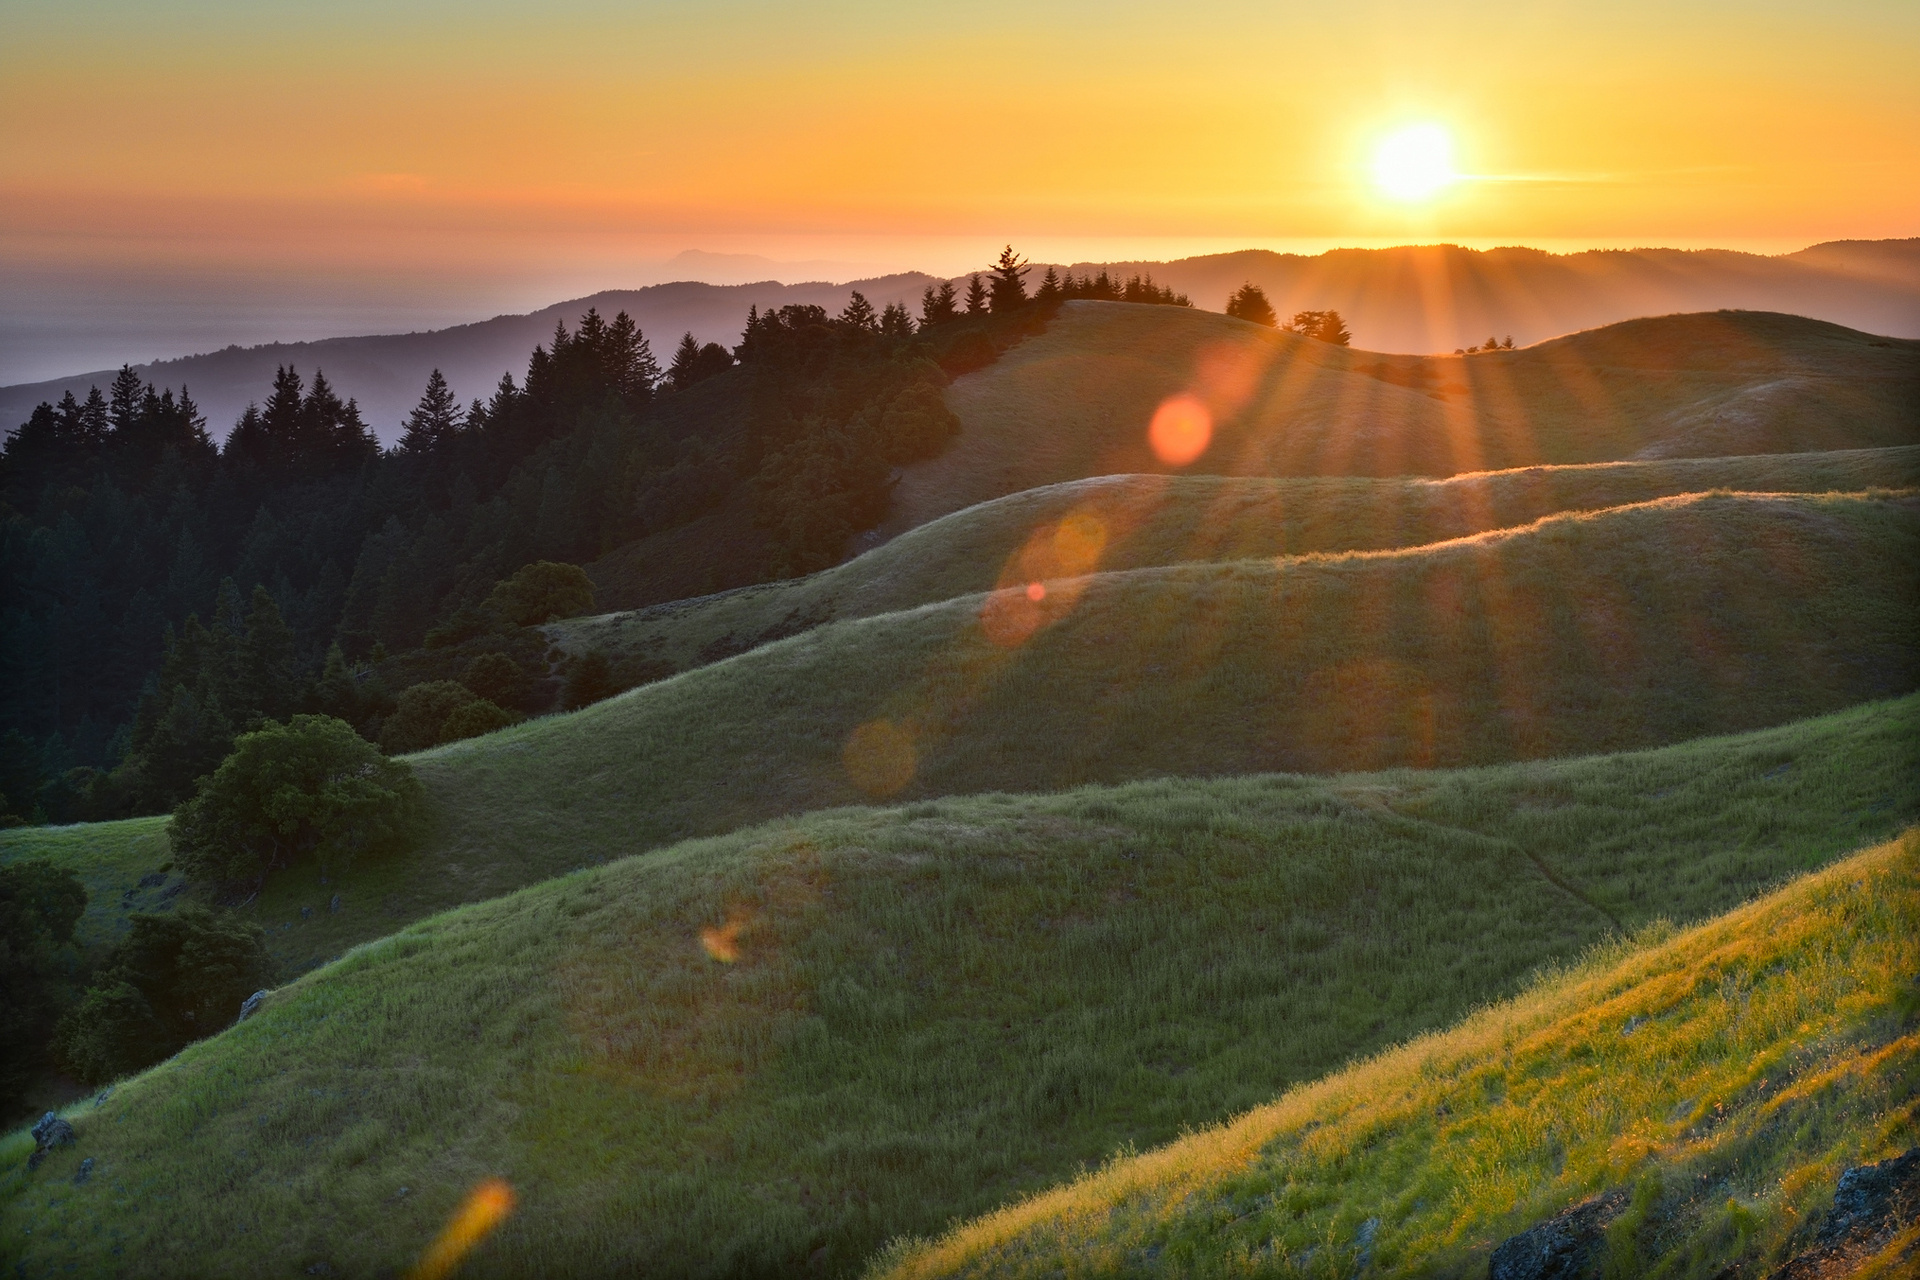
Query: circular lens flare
[
  {"x": 1180, "y": 431},
  {"x": 1415, "y": 163}
]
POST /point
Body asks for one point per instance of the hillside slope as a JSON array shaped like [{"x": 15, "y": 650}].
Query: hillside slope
[
  {"x": 1076, "y": 401},
  {"x": 779, "y": 1048},
  {"x": 1134, "y": 522},
  {"x": 1607, "y": 631},
  {"x": 1709, "y": 1090}
]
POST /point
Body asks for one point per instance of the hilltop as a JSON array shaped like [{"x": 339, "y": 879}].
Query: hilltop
[
  {"x": 784, "y": 1046},
  {"x": 1698, "y": 1099},
  {"x": 1075, "y": 401},
  {"x": 1409, "y": 299},
  {"x": 1134, "y": 522}
]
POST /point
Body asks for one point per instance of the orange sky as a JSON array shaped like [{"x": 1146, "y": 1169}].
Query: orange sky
[{"x": 569, "y": 142}]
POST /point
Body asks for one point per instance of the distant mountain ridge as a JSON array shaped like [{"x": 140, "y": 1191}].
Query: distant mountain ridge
[{"x": 1415, "y": 299}]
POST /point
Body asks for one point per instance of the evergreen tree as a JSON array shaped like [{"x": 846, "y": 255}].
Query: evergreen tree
[
  {"x": 123, "y": 399},
  {"x": 938, "y": 305},
  {"x": 859, "y": 314},
  {"x": 685, "y": 357},
  {"x": 976, "y": 296},
  {"x": 431, "y": 425},
  {"x": 1049, "y": 291},
  {"x": 1009, "y": 292},
  {"x": 896, "y": 322},
  {"x": 1249, "y": 302}
]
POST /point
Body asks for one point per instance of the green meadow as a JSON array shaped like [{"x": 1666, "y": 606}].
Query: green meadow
[
  {"x": 1075, "y": 401},
  {"x": 1722, "y": 1079},
  {"x": 798, "y": 1041},
  {"x": 1145, "y": 521}
]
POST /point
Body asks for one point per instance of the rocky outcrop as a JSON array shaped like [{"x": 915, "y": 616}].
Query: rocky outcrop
[
  {"x": 1571, "y": 1245},
  {"x": 1872, "y": 1204}
]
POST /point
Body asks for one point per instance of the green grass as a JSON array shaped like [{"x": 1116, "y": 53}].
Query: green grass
[
  {"x": 931, "y": 1008},
  {"x": 110, "y": 859},
  {"x": 1147, "y": 521},
  {"x": 1724, "y": 1078},
  {"x": 1625, "y": 628},
  {"x": 1075, "y": 400}
]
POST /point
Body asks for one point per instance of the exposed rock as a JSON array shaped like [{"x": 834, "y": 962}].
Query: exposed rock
[
  {"x": 1571, "y": 1245},
  {"x": 333, "y": 907},
  {"x": 251, "y": 1004},
  {"x": 1871, "y": 1204},
  {"x": 153, "y": 879},
  {"x": 50, "y": 1132},
  {"x": 86, "y": 1172}
]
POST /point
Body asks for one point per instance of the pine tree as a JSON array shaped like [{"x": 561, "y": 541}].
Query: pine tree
[
  {"x": 431, "y": 425},
  {"x": 685, "y": 357},
  {"x": 895, "y": 322},
  {"x": 1009, "y": 291},
  {"x": 630, "y": 363},
  {"x": 859, "y": 314},
  {"x": 123, "y": 399},
  {"x": 938, "y": 304},
  {"x": 1249, "y": 302},
  {"x": 1049, "y": 291},
  {"x": 976, "y": 296}
]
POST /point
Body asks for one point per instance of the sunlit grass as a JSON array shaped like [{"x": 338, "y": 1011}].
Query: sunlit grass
[
  {"x": 1150, "y": 521},
  {"x": 917, "y": 1012},
  {"x": 1724, "y": 1077}
]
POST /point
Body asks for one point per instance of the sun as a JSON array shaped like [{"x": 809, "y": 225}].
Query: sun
[{"x": 1415, "y": 163}]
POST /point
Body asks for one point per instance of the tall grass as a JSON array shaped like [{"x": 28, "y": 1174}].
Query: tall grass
[
  {"x": 1724, "y": 1078},
  {"x": 792, "y": 1043}
]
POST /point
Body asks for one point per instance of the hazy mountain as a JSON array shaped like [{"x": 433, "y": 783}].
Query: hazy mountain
[
  {"x": 1417, "y": 299},
  {"x": 386, "y": 372},
  {"x": 1439, "y": 297}
]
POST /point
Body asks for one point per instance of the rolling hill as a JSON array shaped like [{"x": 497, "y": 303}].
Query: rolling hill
[
  {"x": 780, "y": 1048},
  {"x": 1411, "y": 299},
  {"x": 1694, "y": 1102},
  {"x": 1076, "y": 401},
  {"x": 1135, "y": 522}
]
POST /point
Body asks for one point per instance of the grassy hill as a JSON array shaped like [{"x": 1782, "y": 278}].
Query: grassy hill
[
  {"x": 1135, "y": 521},
  {"x": 784, "y": 1046},
  {"x": 1075, "y": 401},
  {"x": 1717, "y": 1083},
  {"x": 1625, "y": 628}
]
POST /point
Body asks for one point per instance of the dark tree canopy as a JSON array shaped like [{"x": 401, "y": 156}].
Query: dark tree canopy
[
  {"x": 543, "y": 591},
  {"x": 39, "y": 906},
  {"x": 310, "y": 789},
  {"x": 1249, "y": 302},
  {"x": 1327, "y": 326},
  {"x": 173, "y": 979},
  {"x": 1009, "y": 290}
]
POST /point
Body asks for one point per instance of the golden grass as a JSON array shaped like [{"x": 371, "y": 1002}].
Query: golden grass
[{"x": 1727, "y": 1075}]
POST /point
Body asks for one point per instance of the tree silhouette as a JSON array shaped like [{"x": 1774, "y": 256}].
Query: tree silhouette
[
  {"x": 432, "y": 422},
  {"x": 1327, "y": 326},
  {"x": 860, "y": 314},
  {"x": 1009, "y": 290},
  {"x": 976, "y": 296},
  {"x": 938, "y": 305},
  {"x": 1249, "y": 302}
]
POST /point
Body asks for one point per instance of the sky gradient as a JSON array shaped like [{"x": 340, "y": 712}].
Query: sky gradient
[{"x": 429, "y": 161}]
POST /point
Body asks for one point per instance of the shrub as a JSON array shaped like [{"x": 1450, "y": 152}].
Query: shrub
[
  {"x": 419, "y": 718},
  {"x": 39, "y": 905},
  {"x": 310, "y": 788},
  {"x": 543, "y": 591},
  {"x": 173, "y": 979},
  {"x": 498, "y": 679},
  {"x": 474, "y": 719},
  {"x": 589, "y": 680}
]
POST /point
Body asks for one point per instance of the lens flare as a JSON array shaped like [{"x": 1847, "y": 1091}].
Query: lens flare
[
  {"x": 1181, "y": 430},
  {"x": 1036, "y": 591},
  {"x": 722, "y": 942},
  {"x": 880, "y": 757},
  {"x": 483, "y": 1210}
]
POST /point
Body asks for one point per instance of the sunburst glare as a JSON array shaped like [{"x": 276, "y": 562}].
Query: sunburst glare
[{"x": 1415, "y": 163}]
